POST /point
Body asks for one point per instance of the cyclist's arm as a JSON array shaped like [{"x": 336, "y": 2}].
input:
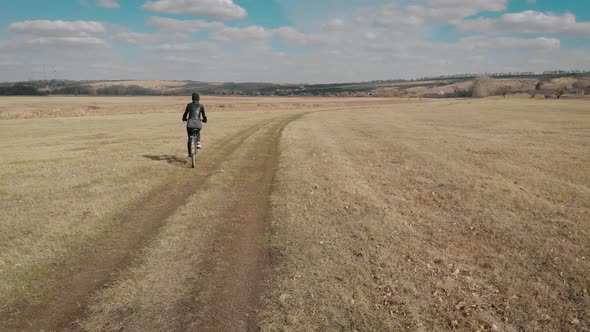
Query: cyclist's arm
[
  {"x": 203, "y": 112},
  {"x": 184, "y": 116}
]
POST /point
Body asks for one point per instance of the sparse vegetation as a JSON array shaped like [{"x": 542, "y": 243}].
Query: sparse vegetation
[
  {"x": 482, "y": 87},
  {"x": 560, "y": 91},
  {"x": 538, "y": 87},
  {"x": 457, "y": 93},
  {"x": 462, "y": 94},
  {"x": 504, "y": 90},
  {"x": 580, "y": 87}
]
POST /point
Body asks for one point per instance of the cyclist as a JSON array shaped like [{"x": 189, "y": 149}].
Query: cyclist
[{"x": 194, "y": 116}]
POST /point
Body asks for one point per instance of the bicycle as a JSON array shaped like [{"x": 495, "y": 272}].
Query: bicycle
[{"x": 194, "y": 149}]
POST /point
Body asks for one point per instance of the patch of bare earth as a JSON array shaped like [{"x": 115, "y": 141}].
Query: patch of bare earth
[{"x": 467, "y": 216}]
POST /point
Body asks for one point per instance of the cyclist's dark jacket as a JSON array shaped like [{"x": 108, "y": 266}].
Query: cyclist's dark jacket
[{"x": 194, "y": 115}]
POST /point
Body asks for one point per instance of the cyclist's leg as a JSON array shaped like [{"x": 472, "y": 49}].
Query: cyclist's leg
[
  {"x": 188, "y": 144},
  {"x": 198, "y": 136}
]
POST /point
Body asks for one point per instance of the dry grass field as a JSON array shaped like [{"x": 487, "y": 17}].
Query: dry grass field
[
  {"x": 305, "y": 214},
  {"x": 465, "y": 215},
  {"x": 68, "y": 106}
]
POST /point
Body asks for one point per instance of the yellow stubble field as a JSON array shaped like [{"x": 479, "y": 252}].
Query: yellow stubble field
[{"x": 379, "y": 214}]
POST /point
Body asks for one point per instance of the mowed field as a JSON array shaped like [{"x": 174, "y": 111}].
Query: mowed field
[{"x": 305, "y": 214}]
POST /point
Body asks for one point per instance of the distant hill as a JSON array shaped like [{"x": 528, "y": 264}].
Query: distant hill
[{"x": 440, "y": 87}]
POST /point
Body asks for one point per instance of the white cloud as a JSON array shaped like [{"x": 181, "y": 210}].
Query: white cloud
[
  {"x": 259, "y": 35},
  {"x": 55, "y": 43},
  {"x": 250, "y": 33},
  {"x": 334, "y": 24},
  {"x": 370, "y": 35},
  {"x": 394, "y": 15},
  {"x": 201, "y": 47},
  {"x": 221, "y": 9},
  {"x": 68, "y": 41},
  {"x": 184, "y": 60},
  {"x": 359, "y": 60},
  {"x": 58, "y": 28},
  {"x": 485, "y": 44},
  {"x": 291, "y": 36},
  {"x": 486, "y": 25},
  {"x": 528, "y": 22},
  {"x": 426, "y": 11},
  {"x": 449, "y": 10},
  {"x": 220, "y": 32},
  {"x": 42, "y": 36},
  {"x": 388, "y": 41},
  {"x": 170, "y": 24},
  {"x": 59, "y": 43},
  {"x": 111, "y": 4},
  {"x": 137, "y": 38}
]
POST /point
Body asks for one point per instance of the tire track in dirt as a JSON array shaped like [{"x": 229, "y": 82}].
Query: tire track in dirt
[
  {"x": 98, "y": 265},
  {"x": 236, "y": 269}
]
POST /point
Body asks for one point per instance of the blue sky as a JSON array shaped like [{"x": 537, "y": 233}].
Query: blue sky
[{"x": 289, "y": 40}]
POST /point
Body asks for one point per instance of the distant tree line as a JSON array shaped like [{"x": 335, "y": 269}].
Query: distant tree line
[
  {"x": 482, "y": 86},
  {"x": 126, "y": 90},
  {"x": 71, "y": 90},
  {"x": 504, "y": 75},
  {"x": 19, "y": 90},
  {"x": 113, "y": 90}
]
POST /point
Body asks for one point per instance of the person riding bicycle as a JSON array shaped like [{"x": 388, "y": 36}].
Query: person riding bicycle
[{"x": 194, "y": 116}]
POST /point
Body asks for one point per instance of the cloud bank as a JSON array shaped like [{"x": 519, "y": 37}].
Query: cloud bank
[{"x": 213, "y": 40}]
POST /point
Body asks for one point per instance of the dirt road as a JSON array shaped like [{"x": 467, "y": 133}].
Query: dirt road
[{"x": 232, "y": 271}]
